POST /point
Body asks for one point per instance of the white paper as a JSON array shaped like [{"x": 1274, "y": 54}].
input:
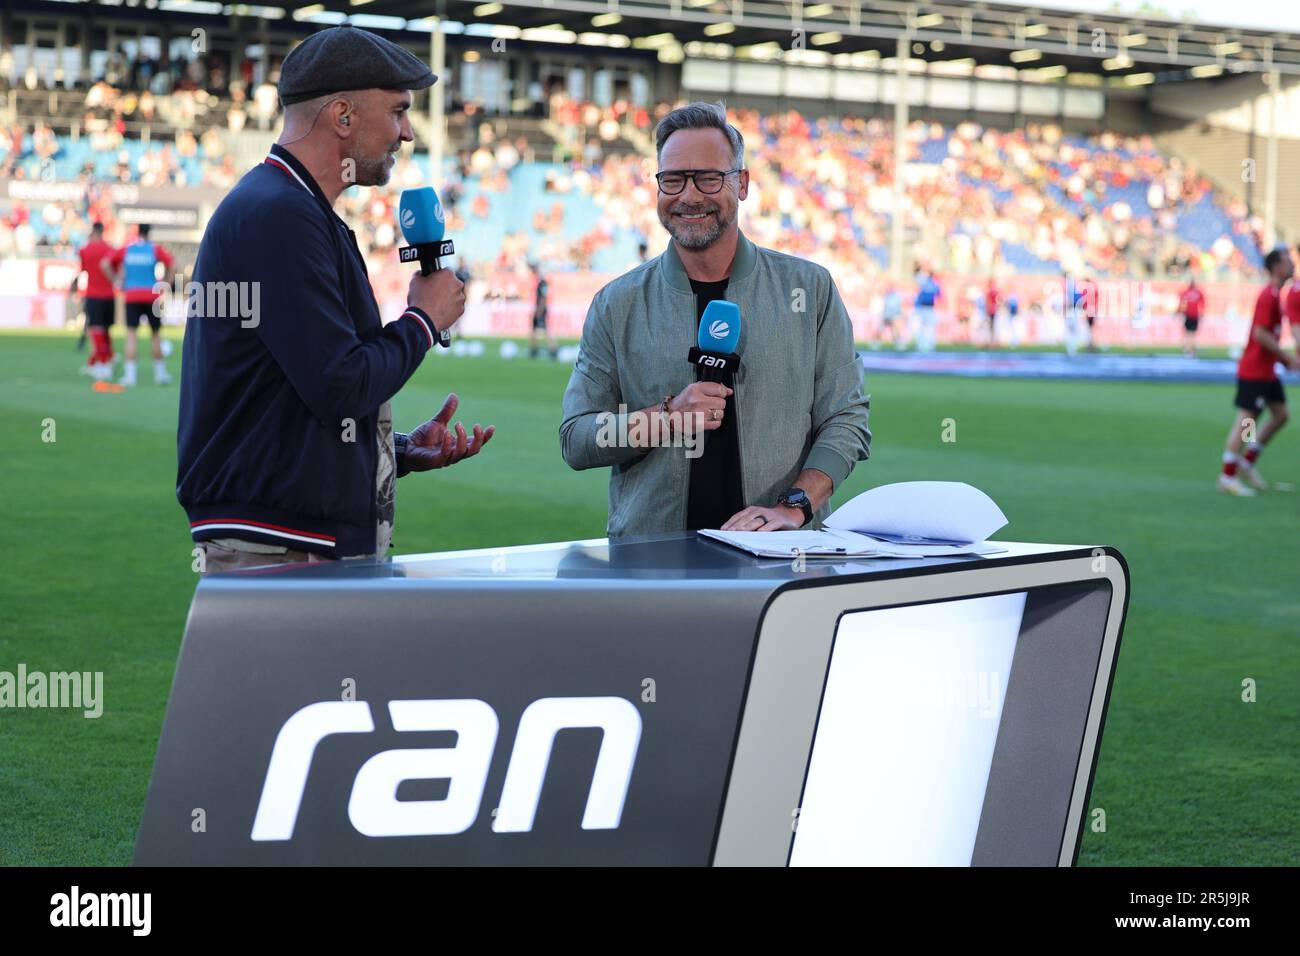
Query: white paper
[
  {"x": 834, "y": 543},
  {"x": 784, "y": 544},
  {"x": 922, "y": 511}
]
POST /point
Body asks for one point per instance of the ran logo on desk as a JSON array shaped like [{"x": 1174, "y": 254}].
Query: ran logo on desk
[{"x": 374, "y": 808}]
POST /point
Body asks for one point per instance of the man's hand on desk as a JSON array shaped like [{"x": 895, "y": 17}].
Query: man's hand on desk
[
  {"x": 434, "y": 445},
  {"x": 816, "y": 484},
  {"x": 765, "y": 519}
]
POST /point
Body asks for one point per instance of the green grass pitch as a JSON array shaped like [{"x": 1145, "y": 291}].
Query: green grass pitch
[{"x": 95, "y": 575}]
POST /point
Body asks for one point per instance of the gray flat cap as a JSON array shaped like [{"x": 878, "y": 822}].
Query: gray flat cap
[{"x": 348, "y": 58}]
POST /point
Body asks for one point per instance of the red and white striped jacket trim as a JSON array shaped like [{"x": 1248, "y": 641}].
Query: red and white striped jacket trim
[
  {"x": 424, "y": 324},
  {"x": 258, "y": 527},
  {"x": 281, "y": 164}
]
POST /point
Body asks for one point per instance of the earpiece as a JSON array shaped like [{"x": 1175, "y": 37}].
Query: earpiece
[{"x": 345, "y": 120}]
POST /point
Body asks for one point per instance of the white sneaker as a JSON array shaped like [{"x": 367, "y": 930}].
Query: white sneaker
[
  {"x": 1251, "y": 475},
  {"x": 162, "y": 378},
  {"x": 126, "y": 381},
  {"x": 1233, "y": 486}
]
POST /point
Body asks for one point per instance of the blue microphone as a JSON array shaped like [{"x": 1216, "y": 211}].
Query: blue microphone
[
  {"x": 714, "y": 356},
  {"x": 423, "y": 225},
  {"x": 419, "y": 213}
]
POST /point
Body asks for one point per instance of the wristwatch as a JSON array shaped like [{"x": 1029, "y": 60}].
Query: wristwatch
[
  {"x": 400, "y": 440},
  {"x": 796, "y": 498}
]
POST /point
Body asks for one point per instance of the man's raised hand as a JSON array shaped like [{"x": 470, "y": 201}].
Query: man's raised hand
[{"x": 435, "y": 445}]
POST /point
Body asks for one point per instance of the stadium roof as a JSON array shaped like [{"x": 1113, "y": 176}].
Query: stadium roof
[{"x": 1104, "y": 44}]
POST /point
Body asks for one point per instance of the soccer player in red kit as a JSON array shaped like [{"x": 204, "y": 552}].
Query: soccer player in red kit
[
  {"x": 1192, "y": 307},
  {"x": 99, "y": 303},
  {"x": 1258, "y": 387}
]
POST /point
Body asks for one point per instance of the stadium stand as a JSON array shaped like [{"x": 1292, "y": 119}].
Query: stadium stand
[
  {"x": 1032, "y": 200},
  {"x": 548, "y": 155}
]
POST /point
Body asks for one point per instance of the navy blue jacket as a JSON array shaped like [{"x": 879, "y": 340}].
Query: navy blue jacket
[{"x": 263, "y": 449}]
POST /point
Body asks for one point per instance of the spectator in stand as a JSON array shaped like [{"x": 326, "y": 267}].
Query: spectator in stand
[
  {"x": 264, "y": 100},
  {"x": 236, "y": 118},
  {"x": 507, "y": 156}
]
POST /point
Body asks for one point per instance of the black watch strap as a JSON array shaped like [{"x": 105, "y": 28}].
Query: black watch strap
[
  {"x": 400, "y": 440},
  {"x": 797, "y": 498}
]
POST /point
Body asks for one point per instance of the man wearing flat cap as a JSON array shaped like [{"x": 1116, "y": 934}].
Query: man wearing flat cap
[{"x": 285, "y": 446}]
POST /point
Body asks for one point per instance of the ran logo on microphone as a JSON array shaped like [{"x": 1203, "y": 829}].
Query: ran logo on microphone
[
  {"x": 719, "y": 329},
  {"x": 408, "y": 218}
]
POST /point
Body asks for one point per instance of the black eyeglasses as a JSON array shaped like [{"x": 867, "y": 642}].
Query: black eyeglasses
[{"x": 707, "y": 181}]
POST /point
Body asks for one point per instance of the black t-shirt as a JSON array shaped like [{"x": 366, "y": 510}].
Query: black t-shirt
[{"x": 715, "y": 493}]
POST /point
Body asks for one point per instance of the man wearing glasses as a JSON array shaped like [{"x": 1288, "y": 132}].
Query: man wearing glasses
[{"x": 784, "y": 432}]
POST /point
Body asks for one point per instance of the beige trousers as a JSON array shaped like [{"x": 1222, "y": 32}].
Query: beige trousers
[{"x": 218, "y": 558}]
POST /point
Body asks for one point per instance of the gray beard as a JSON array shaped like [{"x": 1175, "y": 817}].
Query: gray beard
[
  {"x": 689, "y": 238},
  {"x": 373, "y": 172}
]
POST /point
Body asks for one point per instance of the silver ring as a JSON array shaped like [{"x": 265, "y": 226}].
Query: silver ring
[{"x": 762, "y": 519}]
